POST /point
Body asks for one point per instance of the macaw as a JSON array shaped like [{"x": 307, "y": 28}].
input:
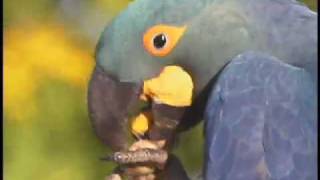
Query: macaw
[{"x": 248, "y": 68}]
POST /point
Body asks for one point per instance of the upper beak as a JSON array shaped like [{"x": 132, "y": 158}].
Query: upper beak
[{"x": 110, "y": 102}]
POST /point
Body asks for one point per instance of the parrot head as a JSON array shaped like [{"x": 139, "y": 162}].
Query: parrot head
[{"x": 152, "y": 71}]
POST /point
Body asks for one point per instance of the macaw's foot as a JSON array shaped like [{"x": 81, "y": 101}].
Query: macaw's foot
[
  {"x": 173, "y": 170},
  {"x": 147, "y": 160},
  {"x": 136, "y": 177},
  {"x": 141, "y": 152},
  {"x": 143, "y": 177},
  {"x": 113, "y": 177},
  {"x": 140, "y": 161}
]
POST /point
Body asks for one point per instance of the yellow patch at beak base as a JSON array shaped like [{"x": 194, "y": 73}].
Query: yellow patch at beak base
[{"x": 173, "y": 87}]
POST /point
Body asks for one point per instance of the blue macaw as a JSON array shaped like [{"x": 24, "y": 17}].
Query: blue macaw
[{"x": 248, "y": 68}]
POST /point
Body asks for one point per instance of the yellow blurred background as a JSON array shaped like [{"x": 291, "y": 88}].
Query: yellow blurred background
[{"x": 48, "y": 57}]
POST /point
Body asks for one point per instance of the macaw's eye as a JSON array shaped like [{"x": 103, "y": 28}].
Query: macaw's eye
[{"x": 160, "y": 40}]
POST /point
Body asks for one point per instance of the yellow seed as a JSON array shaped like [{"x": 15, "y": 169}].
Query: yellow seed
[{"x": 140, "y": 124}]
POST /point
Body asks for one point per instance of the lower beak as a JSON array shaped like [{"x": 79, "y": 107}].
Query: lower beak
[{"x": 169, "y": 94}]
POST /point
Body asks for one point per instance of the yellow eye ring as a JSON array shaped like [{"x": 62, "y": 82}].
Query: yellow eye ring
[{"x": 161, "y": 39}]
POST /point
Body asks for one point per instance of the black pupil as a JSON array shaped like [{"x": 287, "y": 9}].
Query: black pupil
[{"x": 159, "y": 41}]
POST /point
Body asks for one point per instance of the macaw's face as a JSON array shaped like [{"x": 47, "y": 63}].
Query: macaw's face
[
  {"x": 150, "y": 35},
  {"x": 143, "y": 81}
]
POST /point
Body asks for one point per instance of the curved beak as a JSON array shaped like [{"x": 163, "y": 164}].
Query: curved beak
[
  {"x": 113, "y": 105},
  {"x": 110, "y": 102}
]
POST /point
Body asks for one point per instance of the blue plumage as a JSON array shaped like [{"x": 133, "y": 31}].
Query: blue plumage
[
  {"x": 257, "y": 59},
  {"x": 261, "y": 121}
]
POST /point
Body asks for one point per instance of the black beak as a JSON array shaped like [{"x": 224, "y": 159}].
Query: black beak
[
  {"x": 109, "y": 103},
  {"x": 112, "y": 103}
]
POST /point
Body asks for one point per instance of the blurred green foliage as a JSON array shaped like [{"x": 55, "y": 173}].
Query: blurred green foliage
[
  {"x": 313, "y": 4},
  {"x": 47, "y": 132}
]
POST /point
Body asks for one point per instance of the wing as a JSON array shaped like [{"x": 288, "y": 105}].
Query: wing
[{"x": 261, "y": 121}]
